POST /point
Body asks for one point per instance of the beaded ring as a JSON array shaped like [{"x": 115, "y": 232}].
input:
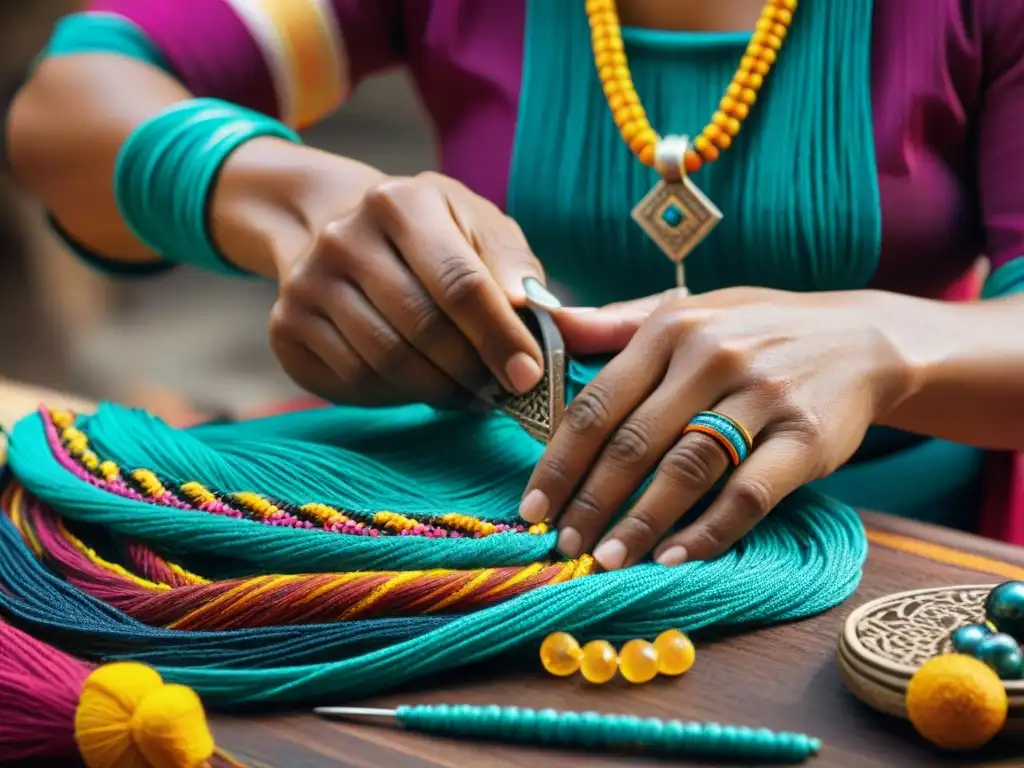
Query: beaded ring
[{"x": 728, "y": 433}]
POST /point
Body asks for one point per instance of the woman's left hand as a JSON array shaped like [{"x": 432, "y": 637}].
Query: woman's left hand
[{"x": 804, "y": 374}]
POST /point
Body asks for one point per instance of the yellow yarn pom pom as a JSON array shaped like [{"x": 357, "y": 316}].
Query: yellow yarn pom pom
[
  {"x": 127, "y": 717},
  {"x": 956, "y": 702}
]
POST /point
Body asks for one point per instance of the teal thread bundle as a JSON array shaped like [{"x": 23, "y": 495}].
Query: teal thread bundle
[{"x": 331, "y": 521}]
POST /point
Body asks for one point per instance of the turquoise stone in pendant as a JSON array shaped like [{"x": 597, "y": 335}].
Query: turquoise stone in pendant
[
  {"x": 672, "y": 216},
  {"x": 1002, "y": 653},
  {"x": 966, "y": 639},
  {"x": 1004, "y": 607}
]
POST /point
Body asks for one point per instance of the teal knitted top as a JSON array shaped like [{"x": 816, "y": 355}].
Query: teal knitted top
[{"x": 800, "y": 221}]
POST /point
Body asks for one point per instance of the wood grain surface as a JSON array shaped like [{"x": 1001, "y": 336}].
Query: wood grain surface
[{"x": 782, "y": 677}]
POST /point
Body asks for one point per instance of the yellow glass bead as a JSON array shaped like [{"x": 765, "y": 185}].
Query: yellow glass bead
[
  {"x": 611, "y": 87},
  {"x": 676, "y": 653},
  {"x": 768, "y": 55},
  {"x": 747, "y": 62},
  {"x": 600, "y": 662},
  {"x": 762, "y": 67},
  {"x": 783, "y": 16},
  {"x": 634, "y": 112},
  {"x": 748, "y": 97},
  {"x": 646, "y": 138},
  {"x": 706, "y": 149},
  {"x": 560, "y": 654},
  {"x": 723, "y": 140},
  {"x": 646, "y": 155},
  {"x": 779, "y": 30},
  {"x": 609, "y": 44},
  {"x": 623, "y": 117},
  {"x": 631, "y": 129},
  {"x": 612, "y": 59},
  {"x": 638, "y": 661},
  {"x": 754, "y": 80},
  {"x": 734, "y": 90}
]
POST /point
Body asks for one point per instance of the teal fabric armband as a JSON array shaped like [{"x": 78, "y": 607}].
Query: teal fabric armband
[
  {"x": 167, "y": 169},
  {"x": 1005, "y": 281},
  {"x": 103, "y": 33}
]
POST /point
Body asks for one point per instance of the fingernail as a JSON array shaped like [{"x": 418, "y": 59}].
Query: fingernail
[
  {"x": 569, "y": 541},
  {"x": 578, "y": 310},
  {"x": 611, "y": 554},
  {"x": 534, "y": 506},
  {"x": 674, "y": 555},
  {"x": 523, "y": 372},
  {"x": 537, "y": 293}
]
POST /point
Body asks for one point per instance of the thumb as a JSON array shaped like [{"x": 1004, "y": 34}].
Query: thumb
[{"x": 608, "y": 329}]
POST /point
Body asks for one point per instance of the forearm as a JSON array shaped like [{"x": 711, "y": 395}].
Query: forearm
[
  {"x": 68, "y": 124},
  {"x": 965, "y": 366}
]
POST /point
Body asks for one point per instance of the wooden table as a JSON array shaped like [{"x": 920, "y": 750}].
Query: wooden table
[{"x": 782, "y": 677}]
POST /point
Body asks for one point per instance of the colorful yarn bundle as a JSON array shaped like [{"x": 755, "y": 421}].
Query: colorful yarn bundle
[
  {"x": 120, "y": 715},
  {"x": 339, "y": 552}
]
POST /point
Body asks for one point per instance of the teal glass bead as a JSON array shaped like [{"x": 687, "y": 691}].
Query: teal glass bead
[
  {"x": 1003, "y": 654},
  {"x": 547, "y": 725},
  {"x": 673, "y": 216},
  {"x": 674, "y": 734},
  {"x": 1004, "y": 607},
  {"x": 650, "y": 730},
  {"x": 966, "y": 639}
]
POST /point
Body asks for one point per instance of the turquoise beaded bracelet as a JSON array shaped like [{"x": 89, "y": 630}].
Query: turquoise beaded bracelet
[{"x": 166, "y": 171}]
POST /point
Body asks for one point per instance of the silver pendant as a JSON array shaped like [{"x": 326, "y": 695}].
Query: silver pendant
[
  {"x": 675, "y": 214},
  {"x": 540, "y": 410}
]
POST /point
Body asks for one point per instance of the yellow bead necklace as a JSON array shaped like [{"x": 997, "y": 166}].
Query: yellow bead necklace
[{"x": 675, "y": 213}]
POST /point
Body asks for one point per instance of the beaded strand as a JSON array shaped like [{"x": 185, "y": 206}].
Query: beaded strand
[
  {"x": 594, "y": 730},
  {"x": 624, "y": 102}
]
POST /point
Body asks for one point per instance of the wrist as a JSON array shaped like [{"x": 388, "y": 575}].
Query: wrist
[
  {"x": 914, "y": 339},
  {"x": 274, "y": 197}
]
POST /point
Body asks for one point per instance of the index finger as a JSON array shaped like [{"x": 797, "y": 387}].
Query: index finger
[{"x": 455, "y": 276}]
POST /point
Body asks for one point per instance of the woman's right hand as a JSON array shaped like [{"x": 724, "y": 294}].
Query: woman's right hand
[{"x": 409, "y": 298}]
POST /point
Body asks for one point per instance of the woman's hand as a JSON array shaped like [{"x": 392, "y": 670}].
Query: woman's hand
[
  {"x": 805, "y": 374},
  {"x": 409, "y": 298}
]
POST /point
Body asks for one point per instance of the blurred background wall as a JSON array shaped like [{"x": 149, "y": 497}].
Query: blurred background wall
[{"x": 187, "y": 334}]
